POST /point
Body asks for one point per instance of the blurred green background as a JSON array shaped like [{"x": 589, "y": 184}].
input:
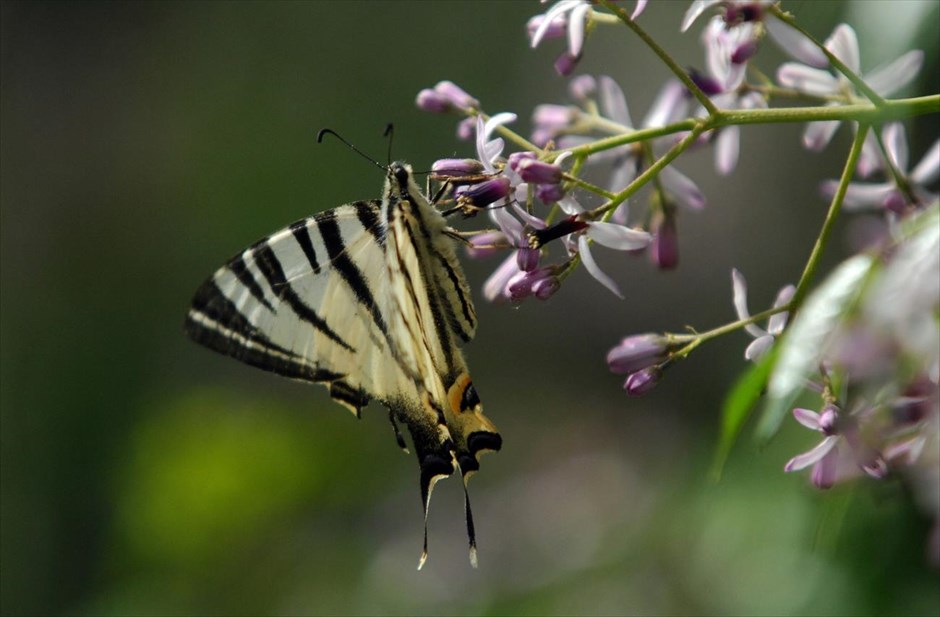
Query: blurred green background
[{"x": 144, "y": 143}]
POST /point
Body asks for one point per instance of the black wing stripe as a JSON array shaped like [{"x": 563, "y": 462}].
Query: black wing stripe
[
  {"x": 369, "y": 217},
  {"x": 336, "y": 250},
  {"x": 246, "y": 278},
  {"x": 433, "y": 300},
  {"x": 272, "y": 270},
  {"x": 465, "y": 306},
  {"x": 302, "y": 235},
  {"x": 215, "y": 321}
]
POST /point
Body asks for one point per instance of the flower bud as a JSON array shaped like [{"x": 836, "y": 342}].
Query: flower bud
[
  {"x": 642, "y": 381},
  {"x": 467, "y": 129},
  {"x": 709, "y": 85},
  {"x": 545, "y": 288},
  {"x": 637, "y": 352},
  {"x": 430, "y": 101},
  {"x": 484, "y": 193},
  {"x": 455, "y": 95},
  {"x": 582, "y": 87},
  {"x": 539, "y": 172},
  {"x": 527, "y": 259},
  {"x": 566, "y": 63},
  {"x": 521, "y": 286},
  {"x": 517, "y": 157},
  {"x": 445, "y": 169},
  {"x": 664, "y": 250}
]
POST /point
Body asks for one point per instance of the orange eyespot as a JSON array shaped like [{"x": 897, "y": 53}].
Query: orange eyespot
[{"x": 462, "y": 396}]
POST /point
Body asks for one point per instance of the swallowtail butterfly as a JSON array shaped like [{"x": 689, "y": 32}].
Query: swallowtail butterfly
[{"x": 370, "y": 300}]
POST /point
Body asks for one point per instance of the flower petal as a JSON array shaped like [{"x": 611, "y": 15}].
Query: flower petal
[
  {"x": 807, "y": 417},
  {"x": 807, "y": 79},
  {"x": 778, "y": 322},
  {"x": 818, "y": 134},
  {"x": 638, "y": 9},
  {"x": 727, "y": 148},
  {"x": 824, "y": 473},
  {"x": 928, "y": 169},
  {"x": 739, "y": 297},
  {"x": 585, "y": 251},
  {"x": 683, "y": 189},
  {"x": 802, "y": 461},
  {"x": 612, "y": 101},
  {"x": 843, "y": 43},
  {"x": 796, "y": 44},
  {"x": 895, "y": 139},
  {"x": 618, "y": 237},
  {"x": 698, "y": 7},
  {"x": 758, "y": 347},
  {"x": 576, "y": 24},
  {"x": 889, "y": 78},
  {"x": 495, "y": 286}
]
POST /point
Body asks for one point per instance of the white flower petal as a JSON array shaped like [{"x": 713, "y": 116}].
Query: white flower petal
[
  {"x": 570, "y": 205},
  {"x": 639, "y": 8},
  {"x": 530, "y": 219},
  {"x": 576, "y": 24},
  {"x": 617, "y": 237},
  {"x": 802, "y": 461},
  {"x": 807, "y": 417},
  {"x": 928, "y": 169},
  {"x": 727, "y": 148},
  {"x": 670, "y": 103},
  {"x": 594, "y": 270},
  {"x": 778, "y": 322},
  {"x": 891, "y": 77},
  {"x": 495, "y": 285},
  {"x": 807, "y": 79},
  {"x": 818, "y": 134},
  {"x": 796, "y": 44},
  {"x": 758, "y": 347},
  {"x": 508, "y": 224},
  {"x": 895, "y": 139},
  {"x": 739, "y": 297},
  {"x": 612, "y": 101},
  {"x": 860, "y": 196},
  {"x": 683, "y": 189},
  {"x": 843, "y": 43},
  {"x": 698, "y": 7}
]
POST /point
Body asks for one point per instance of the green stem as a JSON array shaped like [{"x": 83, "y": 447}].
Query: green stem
[
  {"x": 834, "y": 208},
  {"x": 694, "y": 340},
  {"x": 649, "y": 173}
]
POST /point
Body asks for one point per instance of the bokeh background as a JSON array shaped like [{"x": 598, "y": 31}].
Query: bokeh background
[{"x": 144, "y": 143}]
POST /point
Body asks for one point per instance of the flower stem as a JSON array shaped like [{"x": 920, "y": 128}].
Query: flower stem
[
  {"x": 834, "y": 208},
  {"x": 696, "y": 339}
]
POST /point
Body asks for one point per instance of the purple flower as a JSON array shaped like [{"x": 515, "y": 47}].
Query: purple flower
[
  {"x": 572, "y": 13},
  {"x": 450, "y": 169},
  {"x": 637, "y": 352},
  {"x": 843, "y": 43},
  {"x": 611, "y": 235},
  {"x": 839, "y": 453},
  {"x": 664, "y": 252},
  {"x": 889, "y": 195},
  {"x": 763, "y": 339},
  {"x": 642, "y": 381},
  {"x": 444, "y": 97},
  {"x": 736, "y": 11}
]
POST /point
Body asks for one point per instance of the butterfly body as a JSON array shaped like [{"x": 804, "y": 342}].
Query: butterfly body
[{"x": 370, "y": 300}]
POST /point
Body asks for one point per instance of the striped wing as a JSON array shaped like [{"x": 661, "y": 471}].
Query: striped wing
[
  {"x": 370, "y": 300},
  {"x": 301, "y": 303}
]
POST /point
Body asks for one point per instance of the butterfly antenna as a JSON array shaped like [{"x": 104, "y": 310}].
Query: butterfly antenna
[
  {"x": 390, "y": 133},
  {"x": 324, "y": 132}
]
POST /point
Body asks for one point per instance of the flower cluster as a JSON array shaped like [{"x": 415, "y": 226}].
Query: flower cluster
[{"x": 587, "y": 174}]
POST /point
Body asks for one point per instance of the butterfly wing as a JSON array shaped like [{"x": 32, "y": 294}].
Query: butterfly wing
[{"x": 300, "y": 303}]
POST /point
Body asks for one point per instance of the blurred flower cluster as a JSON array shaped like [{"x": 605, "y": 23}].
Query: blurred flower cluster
[{"x": 873, "y": 340}]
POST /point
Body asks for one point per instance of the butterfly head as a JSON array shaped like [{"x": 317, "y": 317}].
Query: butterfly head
[{"x": 399, "y": 180}]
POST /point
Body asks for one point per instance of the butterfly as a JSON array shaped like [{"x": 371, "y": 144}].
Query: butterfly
[{"x": 368, "y": 299}]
